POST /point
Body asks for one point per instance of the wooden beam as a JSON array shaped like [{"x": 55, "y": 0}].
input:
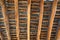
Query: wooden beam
[
  {"x": 40, "y": 19},
  {"x": 28, "y": 21},
  {"x": 52, "y": 19},
  {"x": 58, "y": 31},
  {"x": 5, "y": 18},
  {"x": 17, "y": 19}
]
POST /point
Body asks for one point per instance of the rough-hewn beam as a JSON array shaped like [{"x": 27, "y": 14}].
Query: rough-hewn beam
[
  {"x": 40, "y": 19},
  {"x": 28, "y": 21},
  {"x": 58, "y": 31},
  {"x": 17, "y": 19},
  {"x": 52, "y": 19},
  {"x": 5, "y": 18}
]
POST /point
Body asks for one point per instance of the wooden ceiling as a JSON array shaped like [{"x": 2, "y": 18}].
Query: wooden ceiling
[{"x": 29, "y": 19}]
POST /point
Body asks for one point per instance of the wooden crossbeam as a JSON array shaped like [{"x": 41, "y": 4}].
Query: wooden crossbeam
[
  {"x": 52, "y": 19},
  {"x": 5, "y": 18},
  {"x": 28, "y": 20},
  {"x": 17, "y": 19},
  {"x": 40, "y": 19},
  {"x": 58, "y": 31}
]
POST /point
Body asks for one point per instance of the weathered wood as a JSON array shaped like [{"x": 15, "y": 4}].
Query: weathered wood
[
  {"x": 17, "y": 19},
  {"x": 40, "y": 19},
  {"x": 28, "y": 20},
  {"x": 6, "y": 22},
  {"x": 23, "y": 9},
  {"x": 52, "y": 19}
]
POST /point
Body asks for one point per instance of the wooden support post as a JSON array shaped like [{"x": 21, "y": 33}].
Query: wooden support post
[
  {"x": 28, "y": 19},
  {"x": 6, "y": 22},
  {"x": 17, "y": 19},
  {"x": 52, "y": 19},
  {"x": 40, "y": 19}
]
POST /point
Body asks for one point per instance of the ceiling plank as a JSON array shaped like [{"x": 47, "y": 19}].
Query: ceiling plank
[
  {"x": 5, "y": 19},
  {"x": 17, "y": 19},
  {"x": 28, "y": 20},
  {"x": 52, "y": 19},
  {"x": 40, "y": 19}
]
